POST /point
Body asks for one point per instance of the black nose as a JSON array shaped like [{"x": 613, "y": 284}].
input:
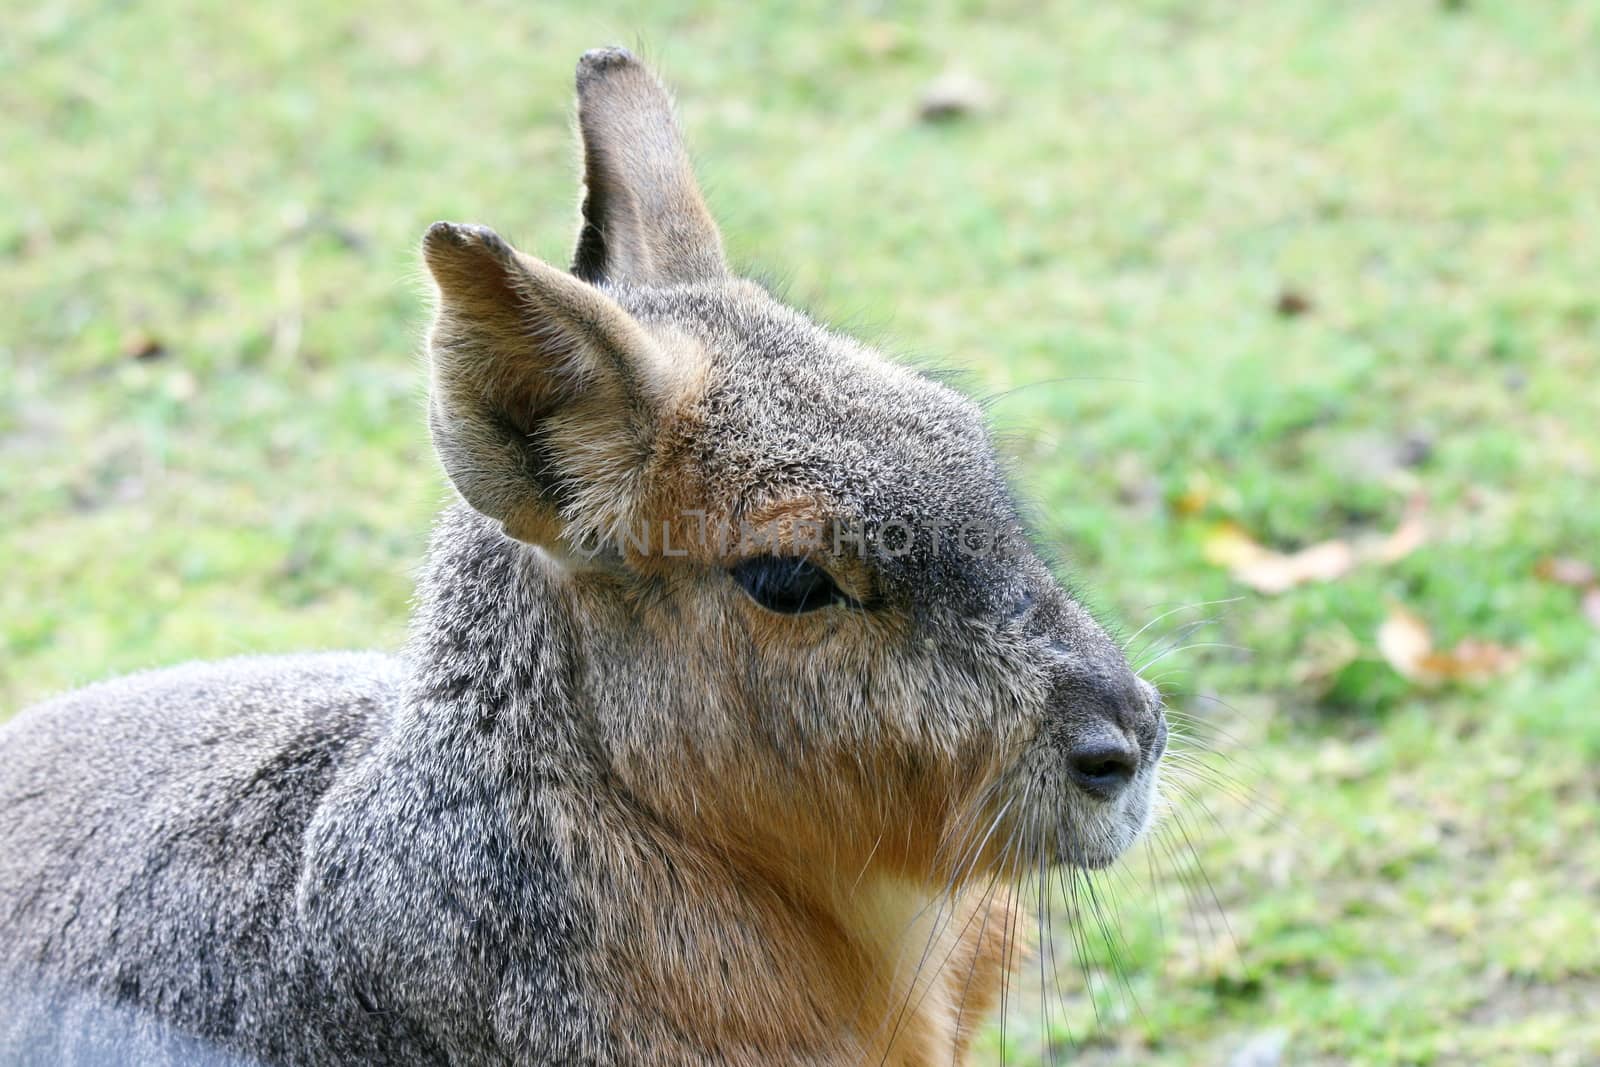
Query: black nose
[{"x": 1104, "y": 766}]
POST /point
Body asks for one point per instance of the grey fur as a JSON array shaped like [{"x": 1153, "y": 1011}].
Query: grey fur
[{"x": 483, "y": 851}]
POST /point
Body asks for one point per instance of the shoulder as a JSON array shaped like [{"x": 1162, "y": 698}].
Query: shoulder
[{"x": 213, "y": 714}]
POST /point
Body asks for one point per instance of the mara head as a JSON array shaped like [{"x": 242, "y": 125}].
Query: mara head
[{"x": 811, "y": 627}]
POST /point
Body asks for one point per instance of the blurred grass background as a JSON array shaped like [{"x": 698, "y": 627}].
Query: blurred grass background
[{"x": 1268, "y": 270}]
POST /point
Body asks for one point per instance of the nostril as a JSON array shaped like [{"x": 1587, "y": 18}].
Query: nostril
[{"x": 1102, "y": 769}]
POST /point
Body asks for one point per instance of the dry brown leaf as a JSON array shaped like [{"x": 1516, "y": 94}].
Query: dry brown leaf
[
  {"x": 1406, "y": 643},
  {"x": 1563, "y": 570},
  {"x": 1472, "y": 659},
  {"x": 1269, "y": 571},
  {"x": 1275, "y": 572},
  {"x": 1410, "y": 535},
  {"x": 1228, "y": 545},
  {"x": 1261, "y": 568}
]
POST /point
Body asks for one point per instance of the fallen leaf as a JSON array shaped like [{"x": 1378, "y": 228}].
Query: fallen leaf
[
  {"x": 1274, "y": 572},
  {"x": 1565, "y": 571},
  {"x": 1405, "y": 641},
  {"x": 1410, "y": 535},
  {"x": 1229, "y": 545},
  {"x": 1472, "y": 658}
]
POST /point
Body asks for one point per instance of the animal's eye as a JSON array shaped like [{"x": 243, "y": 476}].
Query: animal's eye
[{"x": 787, "y": 584}]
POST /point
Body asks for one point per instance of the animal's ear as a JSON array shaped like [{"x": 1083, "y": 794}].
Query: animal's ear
[
  {"x": 644, "y": 222},
  {"x": 544, "y": 394}
]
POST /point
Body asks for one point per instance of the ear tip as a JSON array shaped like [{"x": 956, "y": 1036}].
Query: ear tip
[
  {"x": 597, "y": 63},
  {"x": 461, "y": 233},
  {"x": 444, "y": 238},
  {"x": 444, "y": 234}
]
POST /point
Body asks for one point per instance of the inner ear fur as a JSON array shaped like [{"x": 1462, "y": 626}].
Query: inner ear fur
[
  {"x": 544, "y": 393},
  {"x": 644, "y": 221}
]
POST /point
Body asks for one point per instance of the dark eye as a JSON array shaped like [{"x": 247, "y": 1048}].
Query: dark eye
[{"x": 789, "y": 585}]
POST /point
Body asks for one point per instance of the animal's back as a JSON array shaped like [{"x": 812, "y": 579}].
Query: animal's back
[{"x": 154, "y": 833}]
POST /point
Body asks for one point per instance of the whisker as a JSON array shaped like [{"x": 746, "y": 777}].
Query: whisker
[
  {"x": 1179, "y": 635},
  {"x": 1182, "y": 607},
  {"x": 1008, "y": 939},
  {"x": 1115, "y": 947},
  {"x": 1198, "y": 769},
  {"x": 1046, "y": 950},
  {"x": 1068, "y": 877},
  {"x": 939, "y": 926},
  {"x": 1194, "y": 901},
  {"x": 1222, "y": 912},
  {"x": 1205, "y": 722},
  {"x": 972, "y": 967},
  {"x": 1187, "y": 648},
  {"x": 1201, "y": 766}
]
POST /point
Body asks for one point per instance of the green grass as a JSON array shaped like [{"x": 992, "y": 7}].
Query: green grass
[{"x": 1413, "y": 876}]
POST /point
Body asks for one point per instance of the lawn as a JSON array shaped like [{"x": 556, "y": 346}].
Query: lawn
[{"x": 1236, "y": 281}]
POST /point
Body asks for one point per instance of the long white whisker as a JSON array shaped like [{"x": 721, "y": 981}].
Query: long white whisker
[
  {"x": 1182, "y": 607},
  {"x": 1187, "y": 648}
]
